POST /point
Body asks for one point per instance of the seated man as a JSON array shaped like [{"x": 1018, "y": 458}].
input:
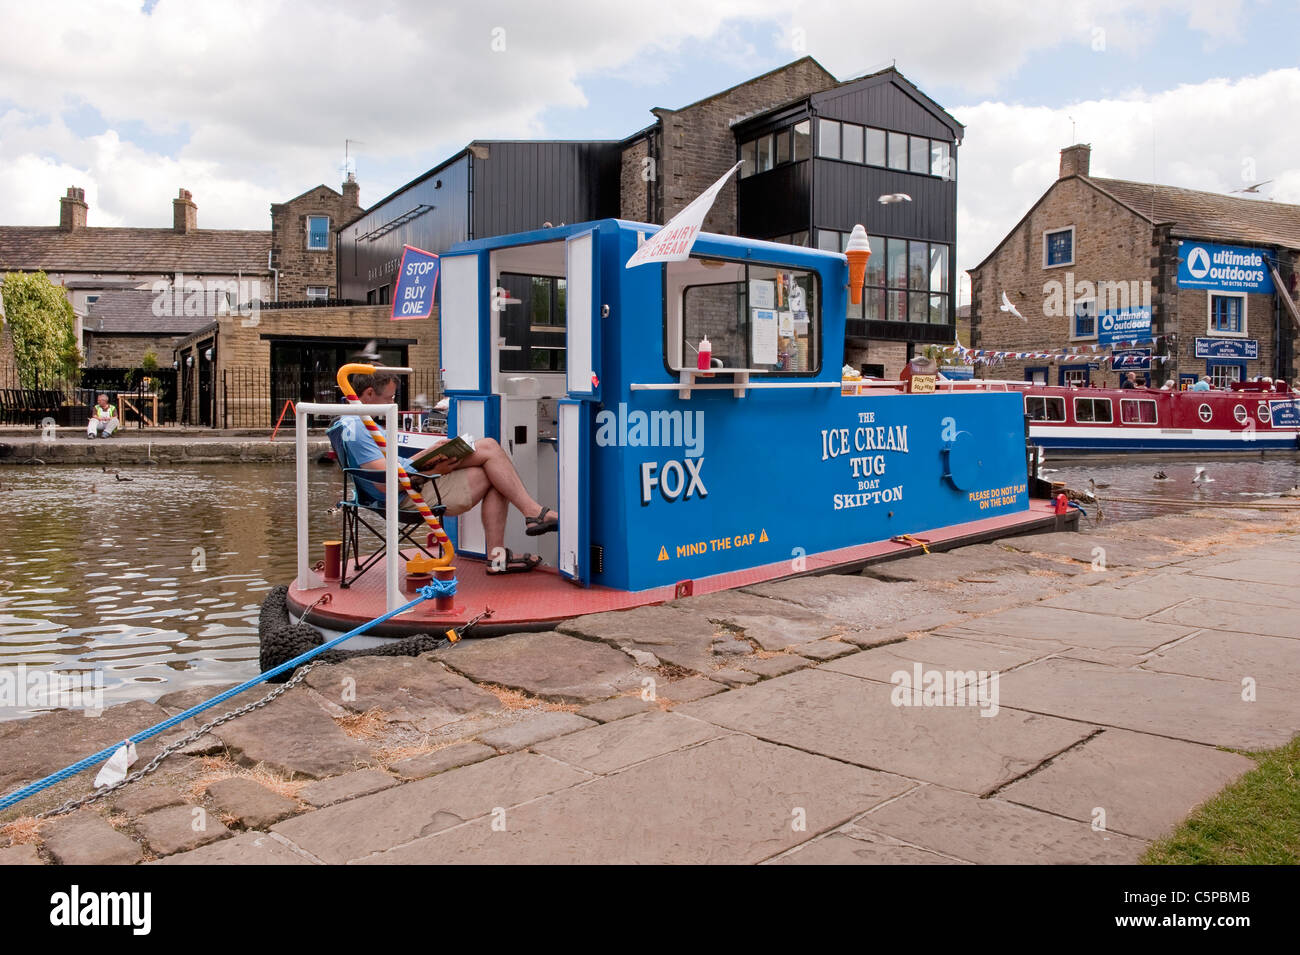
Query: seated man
[
  {"x": 485, "y": 476},
  {"x": 103, "y": 420}
]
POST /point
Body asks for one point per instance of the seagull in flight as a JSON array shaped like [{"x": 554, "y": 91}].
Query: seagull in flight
[
  {"x": 1255, "y": 187},
  {"x": 894, "y": 197},
  {"x": 1006, "y": 306},
  {"x": 370, "y": 352},
  {"x": 1202, "y": 477}
]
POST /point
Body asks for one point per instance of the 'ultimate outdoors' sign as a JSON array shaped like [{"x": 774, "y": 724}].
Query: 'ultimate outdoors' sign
[
  {"x": 1227, "y": 268},
  {"x": 1130, "y": 325}
]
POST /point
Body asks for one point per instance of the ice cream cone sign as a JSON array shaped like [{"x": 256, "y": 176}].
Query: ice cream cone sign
[{"x": 858, "y": 251}]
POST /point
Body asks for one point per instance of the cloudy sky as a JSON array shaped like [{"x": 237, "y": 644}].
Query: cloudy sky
[{"x": 249, "y": 102}]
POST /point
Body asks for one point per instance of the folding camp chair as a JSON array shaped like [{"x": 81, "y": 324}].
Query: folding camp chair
[{"x": 363, "y": 502}]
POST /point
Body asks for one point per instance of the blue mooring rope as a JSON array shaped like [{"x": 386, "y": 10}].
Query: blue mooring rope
[{"x": 436, "y": 588}]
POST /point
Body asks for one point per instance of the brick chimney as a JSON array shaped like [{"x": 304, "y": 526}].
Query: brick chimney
[
  {"x": 352, "y": 191},
  {"x": 1074, "y": 160},
  {"x": 185, "y": 214},
  {"x": 72, "y": 210}
]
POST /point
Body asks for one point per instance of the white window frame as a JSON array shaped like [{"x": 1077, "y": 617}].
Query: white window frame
[
  {"x": 1096, "y": 320},
  {"x": 313, "y": 248},
  {"x": 319, "y": 288},
  {"x": 1047, "y": 401},
  {"x": 1098, "y": 401},
  {"x": 1210, "y": 330},
  {"x": 1073, "y": 249},
  {"x": 1138, "y": 402}
]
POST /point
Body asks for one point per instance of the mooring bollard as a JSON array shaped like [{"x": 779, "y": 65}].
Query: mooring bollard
[{"x": 334, "y": 560}]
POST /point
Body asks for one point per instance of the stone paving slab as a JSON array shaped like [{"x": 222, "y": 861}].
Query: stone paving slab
[
  {"x": 550, "y": 665},
  {"x": 1166, "y": 704},
  {"x": 731, "y": 800},
  {"x": 20, "y": 855},
  {"x": 1231, "y": 657},
  {"x": 778, "y": 665},
  {"x": 413, "y": 690},
  {"x": 995, "y": 832},
  {"x": 85, "y": 838},
  {"x": 999, "y": 555},
  {"x": 933, "y": 652},
  {"x": 953, "y": 565},
  {"x": 733, "y": 677},
  {"x": 1257, "y": 569},
  {"x": 824, "y": 649},
  {"x": 1088, "y": 548},
  {"x": 255, "y": 806},
  {"x": 772, "y": 624},
  {"x": 360, "y": 827},
  {"x": 362, "y": 782},
  {"x": 1054, "y": 627},
  {"x": 618, "y": 708},
  {"x": 1227, "y": 615},
  {"x": 246, "y": 848},
  {"x": 534, "y": 729},
  {"x": 684, "y": 691},
  {"x": 141, "y": 797},
  {"x": 612, "y": 746},
  {"x": 854, "y": 845},
  {"x": 1145, "y": 784},
  {"x": 1117, "y": 601},
  {"x": 854, "y": 720},
  {"x": 675, "y": 636},
  {"x": 439, "y": 761},
  {"x": 179, "y": 828},
  {"x": 33, "y": 748},
  {"x": 293, "y": 736},
  {"x": 852, "y": 600},
  {"x": 1187, "y": 585}
]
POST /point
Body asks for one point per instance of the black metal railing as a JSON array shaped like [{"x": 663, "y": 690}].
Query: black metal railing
[{"x": 255, "y": 398}]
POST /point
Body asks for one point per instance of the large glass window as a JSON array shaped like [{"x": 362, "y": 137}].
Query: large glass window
[
  {"x": 1137, "y": 411},
  {"x": 918, "y": 262},
  {"x": 896, "y": 262},
  {"x": 852, "y": 149},
  {"x": 783, "y": 146},
  {"x": 897, "y": 151},
  {"x": 941, "y": 159},
  {"x": 828, "y": 138},
  {"x": 1222, "y": 376},
  {"x": 802, "y": 136},
  {"x": 875, "y": 147},
  {"x": 748, "y": 158},
  {"x": 938, "y": 268},
  {"x": 1085, "y": 319},
  {"x": 765, "y": 154},
  {"x": 1092, "y": 410},
  {"x": 318, "y": 232},
  {"x": 920, "y": 152},
  {"x": 1044, "y": 409},
  {"x": 760, "y": 317}
]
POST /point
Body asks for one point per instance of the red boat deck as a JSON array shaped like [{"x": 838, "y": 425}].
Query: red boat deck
[{"x": 538, "y": 600}]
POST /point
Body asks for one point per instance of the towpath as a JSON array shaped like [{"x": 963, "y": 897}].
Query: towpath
[{"x": 1113, "y": 671}]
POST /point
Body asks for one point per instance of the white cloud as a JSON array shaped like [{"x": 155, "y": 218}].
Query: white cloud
[{"x": 1216, "y": 136}]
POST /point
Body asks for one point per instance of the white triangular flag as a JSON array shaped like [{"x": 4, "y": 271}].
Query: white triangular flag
[
  {"x": 673, "y": 242},
  {"x": 114, "y": 771}
]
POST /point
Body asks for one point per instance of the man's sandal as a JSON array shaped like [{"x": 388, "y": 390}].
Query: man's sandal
[
  {"x": 541, "y": 524},
  {"x": 514, "y": 565}
]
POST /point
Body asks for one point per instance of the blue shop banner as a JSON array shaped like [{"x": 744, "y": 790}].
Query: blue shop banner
[
  {"x": 1226, "y": 268},
  {"x": 1131, "y": 359},
  {"x": 1285, "y": 414},
  {"x": 417, "y": 283},
  {"x": 1247, "y": 348},
  {"x": 957, "y": 372},
  {"x": 1124, "y": 325}
]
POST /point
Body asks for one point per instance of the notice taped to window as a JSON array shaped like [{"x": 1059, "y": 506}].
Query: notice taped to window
[{"x": 763, "y": 337}]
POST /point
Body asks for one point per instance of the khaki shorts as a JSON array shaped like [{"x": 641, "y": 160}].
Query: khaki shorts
[{"x": 455, "y": 490}]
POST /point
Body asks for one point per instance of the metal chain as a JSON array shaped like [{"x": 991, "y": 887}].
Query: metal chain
[{"x": 171, "y": 748}]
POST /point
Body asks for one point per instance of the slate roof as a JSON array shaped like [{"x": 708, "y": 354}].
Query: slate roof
[
  {"x": 131, "y": 312},
  {"x": 134, "y": 251},
  {"x": 1208, "y": 215}
]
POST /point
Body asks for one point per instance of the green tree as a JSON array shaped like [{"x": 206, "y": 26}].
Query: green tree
[{"x": 43, "y": 327}]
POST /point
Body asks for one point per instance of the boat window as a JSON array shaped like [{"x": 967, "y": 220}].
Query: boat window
[
  {"x": 1137, "y": 411},
  {"x": 1040, "y": 408},
  {"x": 761, "y": 317},
  {"x": 1092, "y": 410}
]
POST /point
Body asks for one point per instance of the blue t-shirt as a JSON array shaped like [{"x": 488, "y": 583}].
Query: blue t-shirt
[
  {"x": 357, "y": 442},
  {"x": 1201, "y": 386}
]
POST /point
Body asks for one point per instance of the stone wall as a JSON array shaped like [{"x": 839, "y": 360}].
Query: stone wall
[{"x": 126, "y": 351}]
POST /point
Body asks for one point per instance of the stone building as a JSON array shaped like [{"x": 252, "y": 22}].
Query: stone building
[
  {"x": 304, "y": 244},
  {"x": 1216, "y": 273}
]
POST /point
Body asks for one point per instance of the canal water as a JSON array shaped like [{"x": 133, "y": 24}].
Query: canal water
[{"x": 155, "y": 583}]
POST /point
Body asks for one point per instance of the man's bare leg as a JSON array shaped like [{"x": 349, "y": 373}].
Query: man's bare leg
[{"x": 500, "y": 471}]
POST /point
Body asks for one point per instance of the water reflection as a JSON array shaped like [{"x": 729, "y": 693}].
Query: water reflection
[
  {"x": 155, "y": 581},
  {"x": 1135, "y": 476}
]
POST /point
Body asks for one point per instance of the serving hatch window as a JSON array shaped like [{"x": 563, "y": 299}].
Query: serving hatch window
[{"x": 764, "y": 318}]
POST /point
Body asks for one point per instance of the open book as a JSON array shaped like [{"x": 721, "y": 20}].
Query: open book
[{"x": 455, "y": 449}]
